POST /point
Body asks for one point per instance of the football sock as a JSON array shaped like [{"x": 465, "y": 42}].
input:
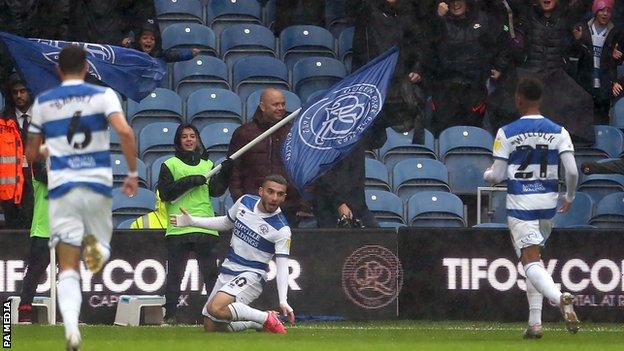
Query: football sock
[
  {"x": 240, "y": 326},
  {"x": 69, "y": 299},
  {"x": 542, "y": 281},
  {"x": 535, "y": 304},
  {"x": 242, "y": 312}
]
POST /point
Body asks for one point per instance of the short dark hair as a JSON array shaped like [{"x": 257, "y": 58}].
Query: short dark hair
[
  {"x": 72, "y": 59},
  {"x": 275, "y": 178},
  {"x": 530, "y": 88}
]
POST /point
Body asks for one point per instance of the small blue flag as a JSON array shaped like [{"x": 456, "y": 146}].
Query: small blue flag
[
  {"x": 328, "y": 127},
  {"x": 130, "y": 72}
]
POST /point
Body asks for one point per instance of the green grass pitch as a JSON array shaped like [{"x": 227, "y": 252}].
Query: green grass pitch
[{"x": 398, "y": 335}]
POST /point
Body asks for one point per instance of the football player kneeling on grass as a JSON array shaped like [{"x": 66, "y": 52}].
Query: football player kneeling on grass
[{"x": 259, "y": 232}]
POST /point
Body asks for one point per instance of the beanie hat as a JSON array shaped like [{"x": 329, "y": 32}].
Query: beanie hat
[{"x": 601, "y": 4}]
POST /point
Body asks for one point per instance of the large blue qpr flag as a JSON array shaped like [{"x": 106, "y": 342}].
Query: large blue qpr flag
[
  {"x": 130, "y": 72},
  {"x": 328, "y": 127}
]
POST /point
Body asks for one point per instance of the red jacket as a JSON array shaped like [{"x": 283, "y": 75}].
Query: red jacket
[{"x": 262, "y": 160}]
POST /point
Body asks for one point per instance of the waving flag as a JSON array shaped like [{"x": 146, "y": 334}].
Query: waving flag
[
  {"x": 130, "y": 72},
  {"x": 330, "y": 126}
]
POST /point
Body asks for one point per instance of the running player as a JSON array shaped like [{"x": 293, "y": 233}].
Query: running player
[
  {"x": 73, "y": 118},
  {"x": 259, "y": 232},
  {"x": 527, "y": 153}
]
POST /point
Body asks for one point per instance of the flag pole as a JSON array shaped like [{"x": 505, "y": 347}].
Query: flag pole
[{"x": 251, "y": 144}]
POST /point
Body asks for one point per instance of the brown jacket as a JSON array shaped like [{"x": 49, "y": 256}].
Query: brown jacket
[{"x": 262, "y": 160}]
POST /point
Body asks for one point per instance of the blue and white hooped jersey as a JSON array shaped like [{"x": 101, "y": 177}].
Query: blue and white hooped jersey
[
  {"x": 73, "y": 119},
  {"x": 256, "y": 238},
  {"x": 531, "y": 146}
]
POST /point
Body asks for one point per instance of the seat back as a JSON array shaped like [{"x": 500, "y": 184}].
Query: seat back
[
  {"x": 245, "y": 39},
  {"x": 345, "y": 47},
  {"x": 312, "y": 74},
  {"x": 220, "y": 14},
  {"x": 161, "y": 105},
  {"x": 200, "y": 72},
  {"x": 435, "y": 208},
  {"x": 376, "y": 175},
  {"x": 155, "y": 170},
  {"x": 301, "y": 41},
  {"x": 579, "y": 214},
  {"x": 125, "y": 207},
  {"x": 398, "y": 146},
  {"x": 419, "y": 174},
  {"x": 216, "y": 138},
  {"x": 121, "y": 170},
  {"x": 257, "y": 72},
  {"x": 385, "y": 206},
  {"x": 189, "y": 36},
  {"x": 156, "y": 139},
  {"x": 210, "y": 105},
  {"x": 609, "y": 212},
  {"x": 171, "y": 11}
]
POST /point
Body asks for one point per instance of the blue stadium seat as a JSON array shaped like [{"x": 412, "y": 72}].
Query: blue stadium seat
[
  {"x": 216, "y": 138},
  {"x": 609, "y": 212},
  {"x": 315, "y": 96},
  {"x": 172, "y": 11},
  {"x": 257, "y": 72},
  {"x": 155, "y": 169},
  {"x": 345, "y": 47},
  {"x": 227, "y": 201},
  {"x": 241, "y": 40},
  {"x": 617, "y": 118},
  {"x": 155, "y": 140},
  {"x": 125, "y": 207},
  {"x": 312, "y": 74},
  {"x": 200, "y": 72},
  {"x": 399, "y": 147},
  {"x": 435, "y": 209},
  {"x": 376, "y": 175},
  {"x": 120, "y": 170},
  {"x": 609, "y": 143},
  {"x": 467, "y": 153},
  {"x": 301, "y": 41},
  {"x": 162, "y": 105},
  {"x": 385, "y": 206},
  {"x": 336, "y": 18},
  {"x": 393, "y": 225},
  {"x": 578, "y": 215},
  {"x": 597, "y": 186},
  {"x": 268, "y": 13},
  {"x": 253, "y": 100},
  {"x": 189, "y": 36},
  {"x": 419, "y": 174},
  {"x": 125, "y": 224},
  {"x": 115, "y": 143},
  {"x": 221, "y": 13},
  {"x": 211, "y": 105}
]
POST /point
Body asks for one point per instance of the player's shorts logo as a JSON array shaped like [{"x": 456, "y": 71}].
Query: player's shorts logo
[
  {"x": 340, "y": 117},
  {"x": 372, "y": 277}
]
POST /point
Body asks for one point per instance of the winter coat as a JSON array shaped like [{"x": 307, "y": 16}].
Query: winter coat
[{"x": 262, "y": 160}]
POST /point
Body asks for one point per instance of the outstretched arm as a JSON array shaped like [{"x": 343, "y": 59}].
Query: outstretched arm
[{"x": 220, "y": 223}]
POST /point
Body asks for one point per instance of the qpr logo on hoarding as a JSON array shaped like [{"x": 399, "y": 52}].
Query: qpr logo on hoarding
[
  {"x": 372, "y": 277},
  {"x": 337, "y": 119}
]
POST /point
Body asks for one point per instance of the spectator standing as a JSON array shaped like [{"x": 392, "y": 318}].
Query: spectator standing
[
  {"x": 182, "y": 184},
  {"x": 296, "y": 12}
]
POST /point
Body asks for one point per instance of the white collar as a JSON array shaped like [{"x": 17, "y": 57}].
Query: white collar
[
  {"x": 72, "y": 82},
  {"x": 19, "y": 114},
  {"x": 531, "y": 117}
]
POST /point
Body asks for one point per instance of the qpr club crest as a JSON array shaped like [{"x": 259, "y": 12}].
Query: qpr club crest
[
  {"x": 102, "y": 52},
  {"x": 340, "y": 117}
]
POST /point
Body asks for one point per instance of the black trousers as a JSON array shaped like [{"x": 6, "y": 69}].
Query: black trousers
[
  {"x": 38, "y": 261},
  {"x": 458, "y": 105},
  {"x": 179, "y": 247},
  {"x": 20, "y": 216}
]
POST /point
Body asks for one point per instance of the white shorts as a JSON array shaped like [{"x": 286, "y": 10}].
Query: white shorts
[
  {"x": 245, "y": 287},
  {"x": 81, "y": 211},
  {"x": 528, "y": 233}
]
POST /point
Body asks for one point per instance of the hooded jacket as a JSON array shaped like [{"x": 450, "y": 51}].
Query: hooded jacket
[
  {"x": 262, "y": 160},
  {"x": 171, "y": 55},
  {"x": 170, "y": 189}
]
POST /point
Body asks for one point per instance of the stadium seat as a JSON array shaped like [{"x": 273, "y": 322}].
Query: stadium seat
[
  {"x": 617, "y": 118},
  {"x": 221, "y": 13},
  {"x": 609, "y": 212},
  {"x": 155, "y": 140},
  {"x": 609, "y": 143},
  {"x": 172, "y": 11},
  {"x": 189, "y": 36},
  {"x": 268, "y": 13},
  {"x": 336, "y": 18},
  {"x": 125, "y": 224},
  {"x": 578, "y": 215},
  {"x": 257, "y": 72},
  {"x": 385, "y": 206},
  {"x": 435, "y": 209},
  {"x": 200, "y": 72},
  {"x": 398, "y": 146},
  {"x": 216, "y": 138},
  {"x": 315, "y": 96},
  {"x": 241, "y": 40},
  {"x": 115, "y": 143},
  {"x": 210, "y": 105},
  {"x": 301, "y": 41},
  {"x": 155, "y": 170},
  {"x": 125, "y": 207},
  {"x": 253, "y": 100},
  {"x": 394, "y": 225},
  {"x": 162, "y": 105},
  {"x": 467, "y": 153},
  {"x": 597, "y": 186},
  {"x": 120, "y": 170},
  {"x": 345, "y": 47},
  {"x": 376, "y": 175},
  {"x": 312, "y": 74},
  {"x": 419, "y": 174}
]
